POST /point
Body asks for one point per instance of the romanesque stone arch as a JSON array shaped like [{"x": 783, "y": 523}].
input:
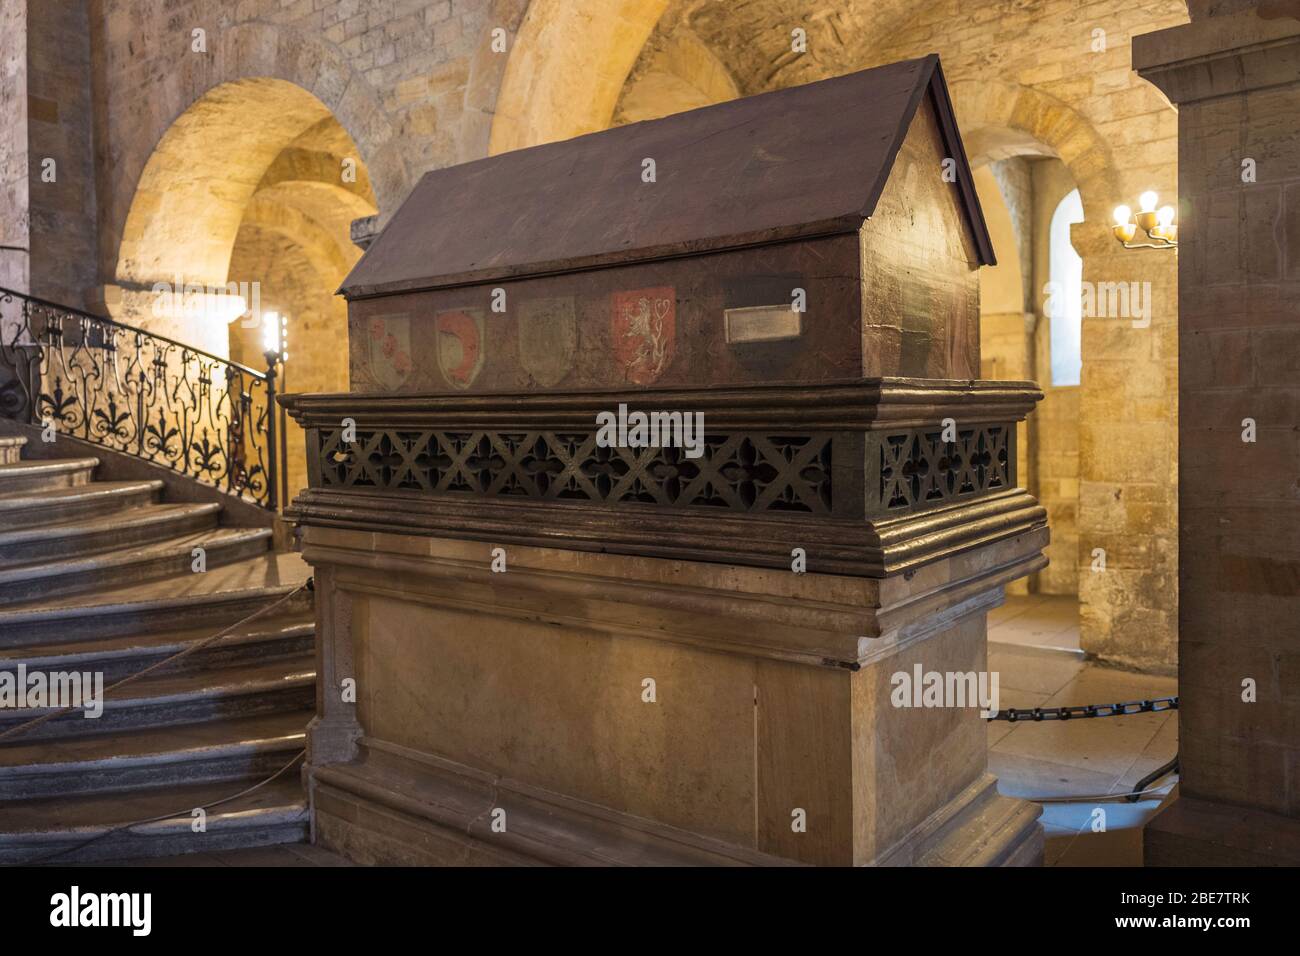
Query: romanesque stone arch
[
  {"x": 567, "y": 68},
  {"x": 218, "y": 125},
  {"x": 999, "y": 120}
]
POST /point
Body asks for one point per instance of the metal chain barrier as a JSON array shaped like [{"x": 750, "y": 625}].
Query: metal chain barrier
[{"x": 1083, "y": 711}]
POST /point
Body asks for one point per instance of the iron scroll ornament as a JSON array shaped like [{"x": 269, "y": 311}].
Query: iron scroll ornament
[{"x": 145, "y": 395}]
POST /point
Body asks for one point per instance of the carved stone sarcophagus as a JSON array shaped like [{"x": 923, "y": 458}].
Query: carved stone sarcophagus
[{"x": 659, "y": 650}]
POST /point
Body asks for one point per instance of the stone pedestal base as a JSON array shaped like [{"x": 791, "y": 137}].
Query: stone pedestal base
[
  {"x": 1188, "y": 831},
  {"x": 580, "y": 708},
  {"x": 401, "y": 808}
]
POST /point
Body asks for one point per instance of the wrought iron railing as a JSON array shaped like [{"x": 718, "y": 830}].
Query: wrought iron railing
[{"x": 129, "y": 390}]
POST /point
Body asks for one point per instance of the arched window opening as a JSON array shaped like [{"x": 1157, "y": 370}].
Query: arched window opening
[{"x": 1065, "y": 272}]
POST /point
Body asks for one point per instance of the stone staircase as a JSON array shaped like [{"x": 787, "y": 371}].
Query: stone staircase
[{"x": 95, "y": 576}]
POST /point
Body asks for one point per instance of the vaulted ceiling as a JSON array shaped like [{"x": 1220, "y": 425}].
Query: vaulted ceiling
[{"x": 702, "y": 51}]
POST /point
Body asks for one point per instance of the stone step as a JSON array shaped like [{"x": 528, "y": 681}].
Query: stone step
[
  {"x": 171, "y": 700},
  {"x": 30, "y": 509},
  {"x": 222, "y": 596},
  {"x": 96, "y": 577},
  {"x": 11, "y": 448},
  {"x": 46, "y": 475},
  {"x": 66, "y": 830},
  {"x": 236, "y": 749},
  {"x": 95, "y": 535},
  {"x": 140, "y": 562},
  {"x": 276, "y": 636}
]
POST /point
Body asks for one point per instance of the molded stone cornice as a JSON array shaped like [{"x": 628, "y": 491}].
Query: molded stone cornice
[
  {"x": 861, "y": 403},
  {"x": 736, "y": 608},
  {"x": 1219, "y": 56}
]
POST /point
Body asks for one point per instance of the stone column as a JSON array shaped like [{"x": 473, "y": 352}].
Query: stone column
[
  {"x": 1126, "y": 480},
  {"x": 15, "y": 224},
  {"x": 56, "y": 219},
  {"x": 1234, "y": 74}
]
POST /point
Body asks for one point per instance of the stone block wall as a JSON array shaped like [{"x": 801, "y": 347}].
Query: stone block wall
[
  {"x": 14, "y": 224},
  {"x": 1241, "y": 498},
  {"x": 61, "y": 161},
  {"x": 1232, "y": 72},
  {"x": 1056, "y": 485},
  {"x": 410, "y": 80},
  {"x": 1016, "y": 346},
  {"x": 1040, "y": 70},
  {"x": 317, "y": 330}
]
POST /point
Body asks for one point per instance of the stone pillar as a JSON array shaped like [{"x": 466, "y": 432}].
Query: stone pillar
[
  {"x": 1126, "y": 480},
  {"x": 15, "y": 223},
  {"x": 60, "y": 155},
  {"x": 1234, "y": 74}
]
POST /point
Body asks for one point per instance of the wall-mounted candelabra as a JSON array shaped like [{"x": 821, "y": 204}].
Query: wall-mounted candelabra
[{"x": 1158, "y": 224}]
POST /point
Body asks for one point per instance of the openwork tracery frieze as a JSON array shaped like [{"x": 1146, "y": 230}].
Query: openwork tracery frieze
[
  {"x": 739, "y": 471},
  {"x": 918, "y": 469},
  {"x": 902, "y": 471}
]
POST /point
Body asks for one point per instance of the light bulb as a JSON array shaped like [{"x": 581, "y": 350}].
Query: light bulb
[
  {"x": 1123, "y": 215},
  {"x": 271, "y": 332},
  {"x": 1147, "y": 201},
  {"x": 1165, "y": 216}
]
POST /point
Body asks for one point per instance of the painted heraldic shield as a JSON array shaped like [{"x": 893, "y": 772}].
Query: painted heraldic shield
[
  {"x": 548, "y": 338},
  {"x": 644, "y": 330},
  {"x": 462, "y": 341},
  {"x": 390, "y": 349}
]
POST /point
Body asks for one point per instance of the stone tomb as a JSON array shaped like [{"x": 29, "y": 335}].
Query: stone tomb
[{"x": 576, "y": 653}]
